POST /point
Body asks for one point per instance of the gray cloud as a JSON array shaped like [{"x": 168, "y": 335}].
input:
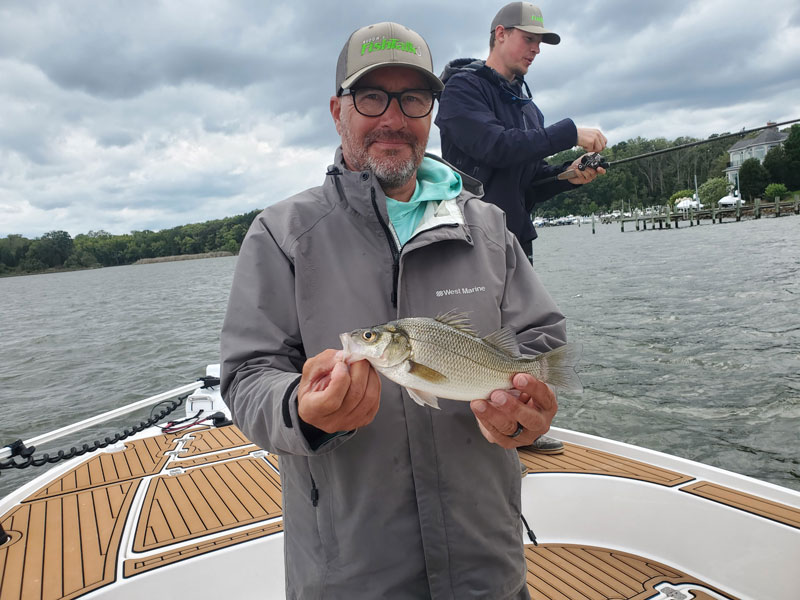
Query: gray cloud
[{"x": 122, "y": 116}]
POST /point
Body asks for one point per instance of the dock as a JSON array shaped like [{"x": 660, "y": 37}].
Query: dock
[{"x": 668, "y": 218}]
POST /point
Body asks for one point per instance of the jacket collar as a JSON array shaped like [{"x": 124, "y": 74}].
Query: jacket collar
[
  {"x": 360, "y": 192},
  {"x": 511, "y": 91}
]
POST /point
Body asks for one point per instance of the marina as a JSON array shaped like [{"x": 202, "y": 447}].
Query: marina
[{"x": 667, "y": 219}]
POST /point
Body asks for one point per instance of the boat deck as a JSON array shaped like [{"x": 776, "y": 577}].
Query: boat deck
[{"x": 209, "y": 489}]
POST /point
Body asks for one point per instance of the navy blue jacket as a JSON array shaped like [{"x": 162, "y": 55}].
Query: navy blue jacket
[{"x": 492, "y": 131}]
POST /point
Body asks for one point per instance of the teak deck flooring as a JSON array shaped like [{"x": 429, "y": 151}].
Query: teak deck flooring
[{"x": 201, "y": 487}]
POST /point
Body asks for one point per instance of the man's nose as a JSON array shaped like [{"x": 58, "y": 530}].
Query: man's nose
[{"x": 394, "y": 114}]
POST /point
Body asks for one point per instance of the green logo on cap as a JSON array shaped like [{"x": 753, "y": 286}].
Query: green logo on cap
[
  {"x": 388, "y": 44},
  {"x": 537, "y": 18}
]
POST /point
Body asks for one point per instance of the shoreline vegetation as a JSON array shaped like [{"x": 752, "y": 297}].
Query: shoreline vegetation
[
  {"x": 57, "y": 251},
  {"x": 653, "y": 181},
  {"x": 160, "y": 259}
]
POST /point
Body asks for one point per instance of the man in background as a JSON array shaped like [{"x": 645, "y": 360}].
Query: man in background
[{"x": 492, "y": 130}]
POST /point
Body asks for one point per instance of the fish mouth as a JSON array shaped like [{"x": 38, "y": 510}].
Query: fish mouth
[
  {"x": 347, "y": 353},
  {"x": 345, "y": 339}
]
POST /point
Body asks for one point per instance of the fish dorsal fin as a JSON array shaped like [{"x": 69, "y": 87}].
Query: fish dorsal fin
[
  {"x": 457, "y": 320},
  {"x": 505, "y": 340}
]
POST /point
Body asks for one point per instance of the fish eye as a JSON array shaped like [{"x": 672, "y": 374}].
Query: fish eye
[{"x": 368, "y": 336}]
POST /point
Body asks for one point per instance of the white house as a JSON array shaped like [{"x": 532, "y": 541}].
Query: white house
[{"x": 756, "y": 147}]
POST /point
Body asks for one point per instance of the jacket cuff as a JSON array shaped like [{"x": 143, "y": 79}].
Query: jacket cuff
[
  {"x": 563, "y": 135},
  {"x": 313, "y": 438}
]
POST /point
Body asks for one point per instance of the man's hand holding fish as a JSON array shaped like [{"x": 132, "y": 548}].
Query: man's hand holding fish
[
  {"x": 530, "y": 405},
  {"x": 333, "y": 396}
]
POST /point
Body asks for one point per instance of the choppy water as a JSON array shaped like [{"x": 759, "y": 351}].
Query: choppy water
[{"x": 691, "y": 340}]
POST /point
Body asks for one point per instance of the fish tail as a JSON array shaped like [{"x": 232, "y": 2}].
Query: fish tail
[{"x": 558, "y": 367}]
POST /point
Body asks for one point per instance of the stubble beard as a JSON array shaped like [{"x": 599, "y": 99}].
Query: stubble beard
[{"x": 389, "y": 169}]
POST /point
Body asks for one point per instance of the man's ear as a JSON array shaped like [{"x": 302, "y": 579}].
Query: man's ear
[
  {"x": 336, "y": 112},
  {"x": 501, "y": 33}
]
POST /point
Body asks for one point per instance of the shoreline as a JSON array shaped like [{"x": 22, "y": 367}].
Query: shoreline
[
  {"x": 141, "y": 261},
  {"x": 160, "y": 259}
]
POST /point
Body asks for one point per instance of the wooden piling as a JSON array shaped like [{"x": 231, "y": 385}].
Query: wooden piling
[
  {"x": 777, "y": 206},
  {"x": 757, "y": 208}
]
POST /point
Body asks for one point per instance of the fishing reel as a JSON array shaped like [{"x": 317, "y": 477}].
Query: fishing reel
[{"x": 592, "y": 161}]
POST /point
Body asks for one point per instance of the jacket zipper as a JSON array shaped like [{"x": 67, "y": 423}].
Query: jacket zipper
[{"x": 392, "y": 247}]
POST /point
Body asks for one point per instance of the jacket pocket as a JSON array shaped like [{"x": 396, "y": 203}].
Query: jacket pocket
[{"x": 319, "y": 493}]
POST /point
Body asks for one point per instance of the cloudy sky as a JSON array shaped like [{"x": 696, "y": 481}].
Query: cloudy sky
[{"x": 123, "y": 116}]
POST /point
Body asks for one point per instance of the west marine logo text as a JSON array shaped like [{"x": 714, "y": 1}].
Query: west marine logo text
[
  {"x": 388, "y": 44},
  {"x": 537, "y": 18}
]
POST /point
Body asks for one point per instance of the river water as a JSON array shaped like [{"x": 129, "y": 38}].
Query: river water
[{"x": 691, "y": 340}]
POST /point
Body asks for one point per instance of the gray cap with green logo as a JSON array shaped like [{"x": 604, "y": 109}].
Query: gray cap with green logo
[
  {"x": 384, "y": 45},
  {"x": 527, "y": 17}
]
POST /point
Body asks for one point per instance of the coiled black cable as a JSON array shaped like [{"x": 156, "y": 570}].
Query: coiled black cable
[{"x": 29, "y": 460}]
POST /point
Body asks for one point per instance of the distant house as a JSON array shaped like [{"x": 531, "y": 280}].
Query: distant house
[{"x": 756, "y": 147}]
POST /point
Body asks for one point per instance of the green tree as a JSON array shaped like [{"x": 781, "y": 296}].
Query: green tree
[
  {"x": 52, "y": 249},
  {"x": 775, "y": 190},
  {"x": 712, "y": 190},
  {"x": 777, "y": 164},
  {"x": 13, "y": 249},
  {"x": 792, "y": 149},
  {"x": 753, "y": 178}
]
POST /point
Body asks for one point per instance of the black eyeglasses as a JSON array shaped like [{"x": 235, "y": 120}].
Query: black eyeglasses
[{"x": 373, "y": 102}]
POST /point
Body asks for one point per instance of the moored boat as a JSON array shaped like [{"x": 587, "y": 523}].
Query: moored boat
[{"x": 194, "y": 509}]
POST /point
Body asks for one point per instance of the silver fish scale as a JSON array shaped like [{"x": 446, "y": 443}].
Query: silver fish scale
[{"x": 473, "y": 367}]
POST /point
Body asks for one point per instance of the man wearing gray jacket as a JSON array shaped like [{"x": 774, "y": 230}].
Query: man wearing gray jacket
[{"x": 383, "y": 498}]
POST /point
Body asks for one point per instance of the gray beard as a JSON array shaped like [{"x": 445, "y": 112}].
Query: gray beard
[
  {"x": 390, "y": 171},
  {"x": 393, "y": 175}
]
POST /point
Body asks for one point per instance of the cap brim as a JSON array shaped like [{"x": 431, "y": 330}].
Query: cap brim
[
  {"x": 548, "y": 37},
  {"x": 436, "y": 83}
]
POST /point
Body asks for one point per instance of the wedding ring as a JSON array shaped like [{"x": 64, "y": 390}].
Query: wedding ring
[{"x": 519, "y": 430}]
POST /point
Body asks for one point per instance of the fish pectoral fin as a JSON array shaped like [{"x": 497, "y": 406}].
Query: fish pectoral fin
[
  {"x": 426, "y": 373},
  {"x": 423, "y": 398}
]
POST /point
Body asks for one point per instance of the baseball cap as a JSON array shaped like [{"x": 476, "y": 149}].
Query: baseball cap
[
  {"x": 384, "y": 45},
  {"x": 527, "y": 17}
]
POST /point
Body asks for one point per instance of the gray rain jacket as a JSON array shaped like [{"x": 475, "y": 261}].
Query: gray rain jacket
[{"x": 417, "y": 504}]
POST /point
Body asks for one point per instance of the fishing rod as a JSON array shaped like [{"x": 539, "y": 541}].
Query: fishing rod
[{"x": 594, "y": 160}]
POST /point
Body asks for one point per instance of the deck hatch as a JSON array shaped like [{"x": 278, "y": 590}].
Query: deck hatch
[{"x": 206, "y": 500}]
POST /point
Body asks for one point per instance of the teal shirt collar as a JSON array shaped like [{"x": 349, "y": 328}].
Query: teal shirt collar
[{"x": 435, "y": 181}]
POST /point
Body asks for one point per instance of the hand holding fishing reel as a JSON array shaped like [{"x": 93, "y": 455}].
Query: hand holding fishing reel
[{"x": 592, "y": 161}]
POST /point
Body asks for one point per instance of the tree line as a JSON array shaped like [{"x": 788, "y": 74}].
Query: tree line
[
  {"x": 659, "y": 179},
  {"x": 647, "y": 182},
  {"x": 56, "y": 250}
]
